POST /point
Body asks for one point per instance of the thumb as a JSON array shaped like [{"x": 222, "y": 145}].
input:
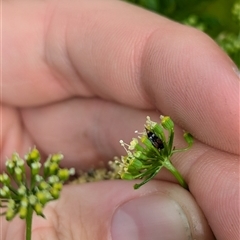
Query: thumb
[
  {"x": 161, "y": 211},
  {"x": 112, "y": 210}
]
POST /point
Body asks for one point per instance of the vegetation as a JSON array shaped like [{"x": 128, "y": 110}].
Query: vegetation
[
  {"x": 220, "y": 19},
  {"x": 23, "y": 197}
]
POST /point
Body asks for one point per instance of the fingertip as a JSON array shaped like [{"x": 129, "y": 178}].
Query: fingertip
[{"x": 187, "y": 76}]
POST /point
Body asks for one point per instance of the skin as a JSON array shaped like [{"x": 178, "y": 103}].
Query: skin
[{"x": 79, "y": 77}]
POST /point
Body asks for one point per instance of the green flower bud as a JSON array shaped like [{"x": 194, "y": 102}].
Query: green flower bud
[
  {"x": 188, "y": 138},
  {"x": 135, "y": 165},
  {"x": 10, "y": 166},
  {"x": 53, "y": 167},
  {"x": 10, "y": 214},
  {"x": 43, "y": 185},
  {"x": 22, "y": 212},
  {"x": 22, "y": 190},
  {"x": 167, "y": 123},
  {"x": 56, "y": 157},
  {"x": 38, "y": 209},
  {"x": 4, "y": 178},
  {"x": 127, "y": 176},
  {"x": 32, "y": 199},
  {"x": 53, "y": 179},
  {"x": 138, "y": 147},
  {"x": 63, "y": 174},
  {"x": 15, "y": 157},
  {"x": 35, "y": 168},
  {"x": 55, "y": 193},
  {"x": 38, "y": 178},
  {"x": 2, "y": 193},
  {"x": 18, "y": 174},
  {"x": 46, "y": 168},
  {"x": 20, "y": 164},
  {"x": 5, "y": 192},
  {"x": 11, "y": 204},
  {"x": 140, "y": 155},
  {"x": 158, "y": 130},
  {"x": 6, "y": 189},
  {"x": 32, "y": 156},
  {"x": 42, "y": 197},
  {"x": 24, "y": 202},
  {"x": 58, "y": 186}
]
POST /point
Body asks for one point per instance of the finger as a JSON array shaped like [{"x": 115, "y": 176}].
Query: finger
[
  {"x": 86, "y": 131},
  {"x": 122, "y": 53},
  {"x": 13, "y": 134},
  {"x": 92, "y": 134},
  {"x": 213, "y": 178},
  {"x": 159, "y": 209}
]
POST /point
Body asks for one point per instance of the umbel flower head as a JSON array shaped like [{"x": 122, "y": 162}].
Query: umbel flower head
[
  {"x": 149, "y": 154},
  {"x": 20, "y": 196}
]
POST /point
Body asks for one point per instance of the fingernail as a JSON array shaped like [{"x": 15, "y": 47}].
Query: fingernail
[{"x": 151, "y": 217}]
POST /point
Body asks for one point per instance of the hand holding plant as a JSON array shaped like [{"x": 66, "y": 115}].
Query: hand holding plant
[{"x": 98, "y": 63}]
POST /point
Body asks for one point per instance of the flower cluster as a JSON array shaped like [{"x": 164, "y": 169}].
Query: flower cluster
[
  {"x": 145, "y": 158},
  {"x": 21, "y": 196}
]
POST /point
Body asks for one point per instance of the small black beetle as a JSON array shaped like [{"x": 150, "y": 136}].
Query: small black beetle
[{"x": 155, "y": 140}]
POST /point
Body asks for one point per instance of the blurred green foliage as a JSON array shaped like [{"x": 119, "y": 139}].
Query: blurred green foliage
[{"x": 220, "y": 19}]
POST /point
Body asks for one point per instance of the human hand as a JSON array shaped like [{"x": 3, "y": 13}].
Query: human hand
[{"x": 79, "y": 76}]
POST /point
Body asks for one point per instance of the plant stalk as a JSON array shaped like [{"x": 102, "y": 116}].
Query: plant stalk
[
  {"x": 175, "y": 173},
  {"x": 29, "y": 223}
]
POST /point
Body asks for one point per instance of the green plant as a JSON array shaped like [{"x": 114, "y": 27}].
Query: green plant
[
  {"x": 23, "y": 197},
  {"x": 220, "y": 19},
  {"x": 145, "y": 159}
]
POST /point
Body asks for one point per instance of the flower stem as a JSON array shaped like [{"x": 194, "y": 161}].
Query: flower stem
[
  {"x": 176, "y": 173},
  {"x": 29, "y": 223}
]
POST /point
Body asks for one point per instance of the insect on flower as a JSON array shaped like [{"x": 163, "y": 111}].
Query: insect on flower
[
  {"x": 155, "y": 140},
  {"x": 141, "y": 162}
]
